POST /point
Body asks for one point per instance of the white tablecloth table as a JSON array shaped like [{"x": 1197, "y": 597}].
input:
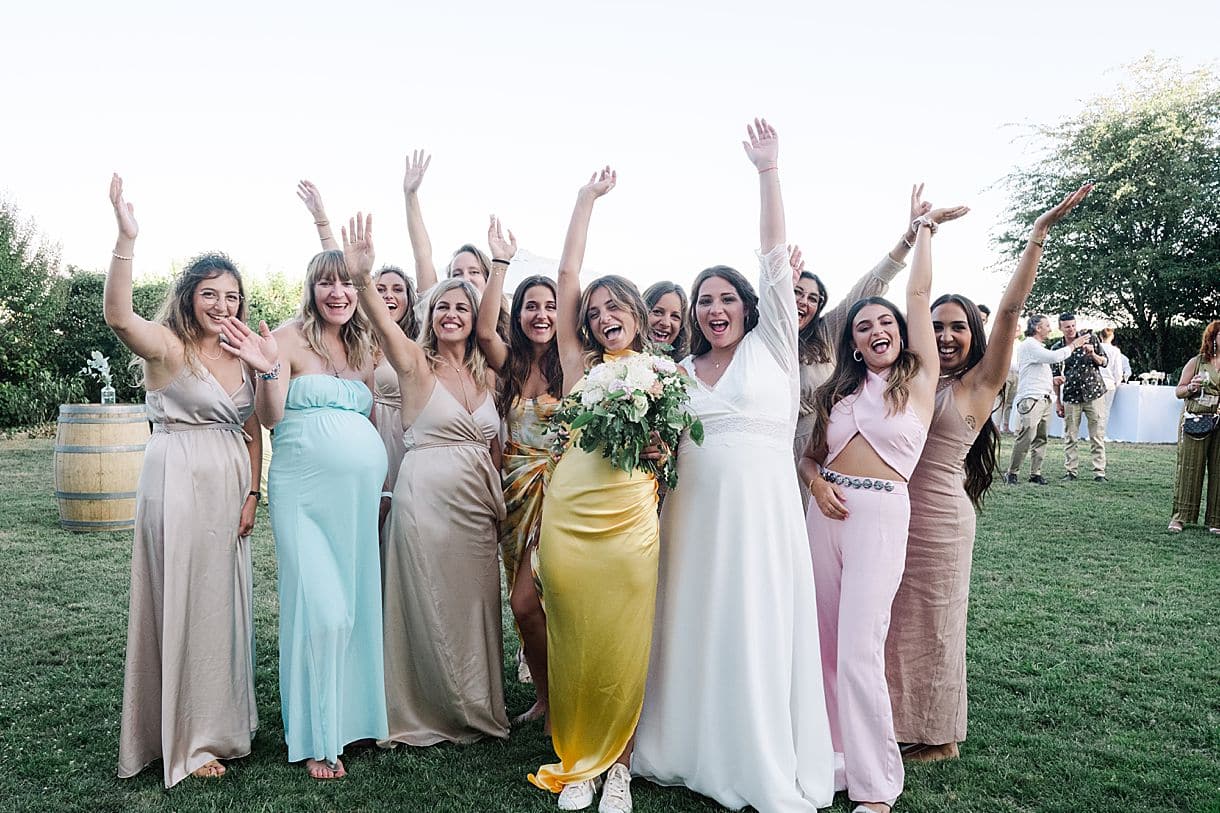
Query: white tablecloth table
[{"x": 1140, "y": 414}]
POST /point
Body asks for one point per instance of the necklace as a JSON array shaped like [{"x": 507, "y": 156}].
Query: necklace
[
  {"x": 216, "y": 357},
  {"x": 461, "y": 382}
]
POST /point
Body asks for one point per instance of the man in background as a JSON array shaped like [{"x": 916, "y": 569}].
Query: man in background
[
  {"x": 1033, "y": 397},
  {"x": 1081, "y": 392}
]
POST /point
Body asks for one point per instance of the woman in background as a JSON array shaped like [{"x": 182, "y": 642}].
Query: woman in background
[
  {"x": 1199, "y": 387},
  {"x": 668, "y": 323}
]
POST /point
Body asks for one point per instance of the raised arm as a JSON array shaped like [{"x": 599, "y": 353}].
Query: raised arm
[
  {"x": 919, "y": 301},
  {"x": 777, "y": 319},
  {"x": 495, "y": 350},
  {"x": 148, "y": 340},
  {"x": 762, "y": 149},
  {"x": 877, "y": 281},
  {"x": 404, "y": 355},
  {"x": 421, "y": 247},
  {"x": 567, "y": 317},
  {"x": 312, "y": 198},
  {"x": 990, "y": 373}
]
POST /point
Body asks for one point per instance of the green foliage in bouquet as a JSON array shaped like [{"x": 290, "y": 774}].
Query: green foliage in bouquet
[{"x": 623, "y": 401}]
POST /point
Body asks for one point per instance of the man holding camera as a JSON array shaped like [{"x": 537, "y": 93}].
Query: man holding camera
[{"x": 1079, "y": 389}]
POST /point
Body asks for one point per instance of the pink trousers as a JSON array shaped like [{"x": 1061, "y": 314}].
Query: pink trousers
[{"x": 857, "y": 566}]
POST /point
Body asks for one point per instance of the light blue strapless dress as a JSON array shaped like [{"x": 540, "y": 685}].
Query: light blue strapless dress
[{"x": 325, "y": 481}]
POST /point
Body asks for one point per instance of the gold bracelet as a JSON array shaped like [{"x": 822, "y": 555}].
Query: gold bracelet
[
  {"x": 119, "y": 256},
  {"x": 321, "y": 223}
]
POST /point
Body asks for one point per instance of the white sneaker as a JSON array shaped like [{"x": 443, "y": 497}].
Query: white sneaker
[
  {"x": 616, "y": 798},
  {"x": 578, "y": 795}
]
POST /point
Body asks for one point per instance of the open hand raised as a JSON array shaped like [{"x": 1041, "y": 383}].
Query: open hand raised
[
  {"x": 259, "y": 350},
  {"x": 124, "y": 212},
  {"x": 501, "y": 249},
  {"x": 763, "y": 147},
  {"x": 600, "y": 182},
  {"x": 358, "y": 246},
  {"x": 1053, "y": 215},
  {"x": 312, "y": 198},
  {"x": 413, "y": 176}
]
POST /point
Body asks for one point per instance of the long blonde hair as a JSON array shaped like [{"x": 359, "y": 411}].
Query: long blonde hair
[
  {"x": 473, "y": 359},
  {"x": 356, "y": 333}
]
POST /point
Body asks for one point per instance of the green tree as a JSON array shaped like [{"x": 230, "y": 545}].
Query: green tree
[{"x": 1144, "y": 249}]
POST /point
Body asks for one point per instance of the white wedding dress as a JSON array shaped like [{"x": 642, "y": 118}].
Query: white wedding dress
[{"x": 733, "y": 707}]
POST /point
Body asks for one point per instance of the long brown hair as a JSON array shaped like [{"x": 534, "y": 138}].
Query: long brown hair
[
  {"x": 624, "y": 294},
  {"x": 813, "y": 345},
  {"x": 521, "y": 351},
  {"x": 849, "y": 374},
  {"x": 177, "y": 311},
  {"x": 356, "y": 333},
  {"x": 408, "y": 320},
  {"x": 980, "y": 460}
]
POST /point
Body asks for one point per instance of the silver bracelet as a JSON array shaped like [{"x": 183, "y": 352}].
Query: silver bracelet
[{"x": 271, "y": 374}]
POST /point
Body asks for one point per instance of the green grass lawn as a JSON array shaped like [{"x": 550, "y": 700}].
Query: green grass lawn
[{"x": 1094, "y": 662}]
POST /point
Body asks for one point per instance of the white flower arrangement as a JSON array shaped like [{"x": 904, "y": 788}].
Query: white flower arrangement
[{"x": 623, "y": 402}]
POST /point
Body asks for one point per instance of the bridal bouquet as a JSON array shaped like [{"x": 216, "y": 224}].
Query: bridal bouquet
[{"x": 623, "y": 402}]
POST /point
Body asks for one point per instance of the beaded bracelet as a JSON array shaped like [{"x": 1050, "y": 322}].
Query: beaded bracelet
[{"x": 272, "y": 374}]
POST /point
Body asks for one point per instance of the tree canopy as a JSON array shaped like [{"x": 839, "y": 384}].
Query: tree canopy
[{"x": 1144, "y": 249}]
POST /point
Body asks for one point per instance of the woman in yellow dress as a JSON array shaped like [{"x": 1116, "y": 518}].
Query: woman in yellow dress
[
  {"x": 598, "y": 551},
  {"x": 530, "y": 379}
]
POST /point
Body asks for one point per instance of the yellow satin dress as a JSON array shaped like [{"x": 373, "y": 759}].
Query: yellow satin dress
[
  {"x": 597, "y": 561},
  {"x": 527, "y": 464}
]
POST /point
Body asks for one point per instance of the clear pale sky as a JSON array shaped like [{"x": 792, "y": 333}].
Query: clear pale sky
[{"x": 212, "y": 113}]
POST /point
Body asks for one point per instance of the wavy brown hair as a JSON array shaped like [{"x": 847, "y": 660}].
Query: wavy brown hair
[
  {"x": 624, "y": 294},
  {"x": 813, "y": 345},
  {"x": 177, "y": 311},
  {"x": 356, "y": 333},
  {"x": 681, "y": 343},
  {"x": 980, "y": 460},
  {"x": 516, "y": 370},
  {"x": 849, "y": 374},
  {"x": 699, "y": 343},
  {"x": 408, "y": 320},
  {"x": 472, "y": 359}
]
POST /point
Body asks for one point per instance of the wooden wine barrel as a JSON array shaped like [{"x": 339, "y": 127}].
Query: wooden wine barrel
[{"x": 99, "y": 449}]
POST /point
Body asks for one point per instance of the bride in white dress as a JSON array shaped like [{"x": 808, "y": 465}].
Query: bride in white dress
[{"x": 733, "y": 707}]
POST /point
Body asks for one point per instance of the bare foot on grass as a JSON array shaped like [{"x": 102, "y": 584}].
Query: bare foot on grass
[
  {"x": 209, "y": 770},
  {"x": 321, "y": 770}
]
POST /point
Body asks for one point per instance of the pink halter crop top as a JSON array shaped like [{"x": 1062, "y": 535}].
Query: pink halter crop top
[{"x": 896, "y": 438}]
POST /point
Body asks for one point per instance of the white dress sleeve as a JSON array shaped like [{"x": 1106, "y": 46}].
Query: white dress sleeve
[
  {"x": 875, "y": 283},
  {"x": 777, "y": 319}
]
